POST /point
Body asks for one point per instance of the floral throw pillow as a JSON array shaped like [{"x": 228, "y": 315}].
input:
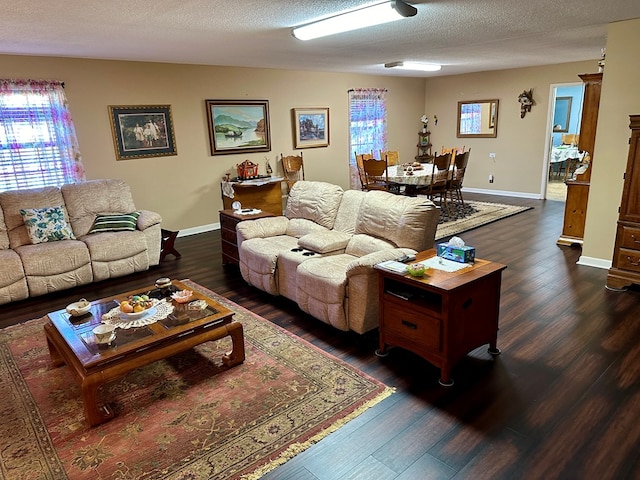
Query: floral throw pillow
[{"x": 46, "y": 224}]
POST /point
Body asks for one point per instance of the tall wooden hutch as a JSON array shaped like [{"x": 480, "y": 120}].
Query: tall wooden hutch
[
  {"x": 575, "y": 210},
  {"x": 625, "y": 268}
]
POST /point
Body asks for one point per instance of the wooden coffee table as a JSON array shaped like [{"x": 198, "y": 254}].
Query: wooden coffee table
[{"x": 71, "y": 342}]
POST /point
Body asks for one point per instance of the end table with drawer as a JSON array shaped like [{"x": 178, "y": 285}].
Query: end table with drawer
[
  {"x": 442, "y": 316},
  {"x": 228, "y": 221}
]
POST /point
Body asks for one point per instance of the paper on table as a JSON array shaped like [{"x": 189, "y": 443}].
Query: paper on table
[
  {"x": 443, "y": 264},
  {"x": 393, "y": 266},
  {"x": 247, "y": 211}
]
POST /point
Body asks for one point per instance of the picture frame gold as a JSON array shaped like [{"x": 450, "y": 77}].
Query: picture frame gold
[
  {"x": 310, "y": 127},
  {"x": 142, "y": 131},
  {"x": 238, "y": 126}
]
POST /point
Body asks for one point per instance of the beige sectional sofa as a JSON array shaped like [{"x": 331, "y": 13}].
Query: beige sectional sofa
[
  {"x": 321, "y": 252},
  {"x": 31, "y": 266}
]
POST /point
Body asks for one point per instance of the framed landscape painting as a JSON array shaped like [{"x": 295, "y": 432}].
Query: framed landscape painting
[
  {"x": 311, "y": 127},
  {"x": 141, "y": 131},
  {"x": 238, "y": 126}
]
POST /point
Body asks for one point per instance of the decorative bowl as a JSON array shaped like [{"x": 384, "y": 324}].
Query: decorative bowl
[
  {"x": 182, "y": 296},
  {"x": 132, "y": 315},
  {"x": 416, "y": 269},
  {"x": 81, "y": 307}
]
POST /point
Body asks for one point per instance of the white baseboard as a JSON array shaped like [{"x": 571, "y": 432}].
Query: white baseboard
[
  {"x": 201, "y": 229},
  {"x": 535, "y": 196},
  {"x": 594, "y": 262}
]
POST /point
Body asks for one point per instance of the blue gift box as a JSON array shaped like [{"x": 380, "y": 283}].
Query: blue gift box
[{"x": 464, "y": 254}]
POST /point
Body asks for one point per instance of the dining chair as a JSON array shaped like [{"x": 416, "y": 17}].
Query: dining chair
[
  {"x": 457, "y": 176},
  {"x": 375, "y": 173},
  {"x": 440, "y": 175},
  {"x": 293, "y": 168},
  {"x": 360, "y": 157},
  {"x": 391, "y": 156}
]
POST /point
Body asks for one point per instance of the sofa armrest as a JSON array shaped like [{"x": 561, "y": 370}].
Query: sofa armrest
[
  {"x": 364, "y": 265},
  {"x": 325, "y": 242},
  {"x": 261, "y": 228},
  {"x": 148, "y": 219}
]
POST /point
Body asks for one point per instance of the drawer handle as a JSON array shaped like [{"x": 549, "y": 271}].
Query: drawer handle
[
  {"x": 410, "y": 325},
  {"x": 633, "y": 238},
  {"x": 631, "y": 262}
]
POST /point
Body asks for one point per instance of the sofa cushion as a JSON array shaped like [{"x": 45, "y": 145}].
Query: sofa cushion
[
  {"x": 315, "y": 201},
  {"x": 297, "y": 227},
  {"x": 48, "y": 224},
  {"x": 348, "y": 211},
  {"x": 85, "y": 200},
  {"x": 324, "y": 242},
  {"x": 403, "y": 221},
  {"x": 13, "y": 201},
  {"x": 4, "y": 235},
  {"x": 124, "y": 222},
  {"x": 361, "y": 245}
]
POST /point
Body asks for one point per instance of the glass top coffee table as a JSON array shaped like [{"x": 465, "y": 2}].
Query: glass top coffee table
[{"x": 71, "y": 341}]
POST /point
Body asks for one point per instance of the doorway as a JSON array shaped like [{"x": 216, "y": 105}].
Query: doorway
[{"x": 563, "y": 129}]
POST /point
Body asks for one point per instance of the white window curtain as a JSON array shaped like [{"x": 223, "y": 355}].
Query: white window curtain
[
  {"x": 367, "y": 126},
  {"x": 38, "y": 144}
]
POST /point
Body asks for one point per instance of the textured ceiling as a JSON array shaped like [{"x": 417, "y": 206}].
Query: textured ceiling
[{"x": 462, "y": 35}]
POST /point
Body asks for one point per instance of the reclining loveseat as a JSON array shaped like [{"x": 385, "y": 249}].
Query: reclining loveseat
[
  {"x": 322, "y": 251},
  {"x": 56, "y": 238}
]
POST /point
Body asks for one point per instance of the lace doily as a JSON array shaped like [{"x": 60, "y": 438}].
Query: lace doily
[{"x": 160, "y": 310}]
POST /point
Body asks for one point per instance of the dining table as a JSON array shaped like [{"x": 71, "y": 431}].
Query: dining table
[
  {"x": 562, "y": 157},
  {"x": 417, "y": 177}
]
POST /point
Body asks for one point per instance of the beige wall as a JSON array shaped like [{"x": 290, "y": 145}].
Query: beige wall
[
  {"x": 519, "y": 166},
  {"x": 620, "y": 98},
  {"x": 185, "y": 189}
]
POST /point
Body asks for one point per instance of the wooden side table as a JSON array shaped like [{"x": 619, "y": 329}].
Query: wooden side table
[
  {"x": 228, "y": 221},
  {"x": 442, "y": 316}
]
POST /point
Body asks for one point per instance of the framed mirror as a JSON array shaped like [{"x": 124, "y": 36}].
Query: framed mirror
[
  {"x": 478, "y": 119},
  {"x": 562, "y": 114}
]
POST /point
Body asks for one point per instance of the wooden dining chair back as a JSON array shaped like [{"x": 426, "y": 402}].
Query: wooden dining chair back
[
  {"x": 391, "y": 156},
  {"x": 376, "y": 175},
  {"x": 440, "y": 174},
  {"x": 457, "y": 176},
  {"x": 293, "y": 168},
  {"x": 452, "y": 151},
  {"x": 360, "y": 157}
]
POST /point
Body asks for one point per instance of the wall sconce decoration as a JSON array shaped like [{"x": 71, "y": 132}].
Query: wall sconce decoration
[{"x": 526, "y": 101}]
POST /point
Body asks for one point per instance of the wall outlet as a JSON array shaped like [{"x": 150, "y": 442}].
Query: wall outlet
[
  {"x": 491, "y": 178},
  {"x": 492, "y": 155}
]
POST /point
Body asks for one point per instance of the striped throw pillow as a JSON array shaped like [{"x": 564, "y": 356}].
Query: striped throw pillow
[{"x": 115, "y": 222}]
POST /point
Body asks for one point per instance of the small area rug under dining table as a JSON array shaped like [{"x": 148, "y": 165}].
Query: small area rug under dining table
[{"x": 186, "y": 417}]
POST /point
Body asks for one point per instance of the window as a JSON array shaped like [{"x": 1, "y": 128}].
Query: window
[
  {"x": 38, "y": 145},
  {"x": 367, "y": 125}
]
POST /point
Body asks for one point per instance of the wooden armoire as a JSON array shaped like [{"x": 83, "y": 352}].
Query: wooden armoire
[
  {"x": 575, "y": 210},
  {"x": 625, "y": 268}
]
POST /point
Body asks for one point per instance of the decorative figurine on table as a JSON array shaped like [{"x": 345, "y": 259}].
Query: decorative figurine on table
[{"x": 268, "y": 167}]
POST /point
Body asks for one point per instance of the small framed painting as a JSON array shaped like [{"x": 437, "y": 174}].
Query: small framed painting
[
  {"x": 311, "y": 127},
  {"x": 238, "y": 126},
  {"x": 141, "y": 131}
]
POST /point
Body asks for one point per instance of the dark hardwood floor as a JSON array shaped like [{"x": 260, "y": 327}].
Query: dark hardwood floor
[{"x": 562, "y": 401}]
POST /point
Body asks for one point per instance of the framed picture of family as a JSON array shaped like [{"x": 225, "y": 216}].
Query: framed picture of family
[{"x": 141, "y": 131}]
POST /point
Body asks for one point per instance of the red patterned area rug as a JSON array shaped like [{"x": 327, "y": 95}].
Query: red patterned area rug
[{"x": 187, "y": 417}]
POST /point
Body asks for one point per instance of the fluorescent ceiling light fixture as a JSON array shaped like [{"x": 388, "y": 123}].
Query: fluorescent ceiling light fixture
[
  {"x": 423, "y": 67},
  {"x": 385, "y": 12}
]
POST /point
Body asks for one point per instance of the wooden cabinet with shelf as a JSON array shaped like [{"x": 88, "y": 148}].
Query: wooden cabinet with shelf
[
  {"x": 625, "y": 268},
  {"x": 575, "y": 210},
  {"x": 424, "y": 147},
  {"x": 443, "y": 316}
]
